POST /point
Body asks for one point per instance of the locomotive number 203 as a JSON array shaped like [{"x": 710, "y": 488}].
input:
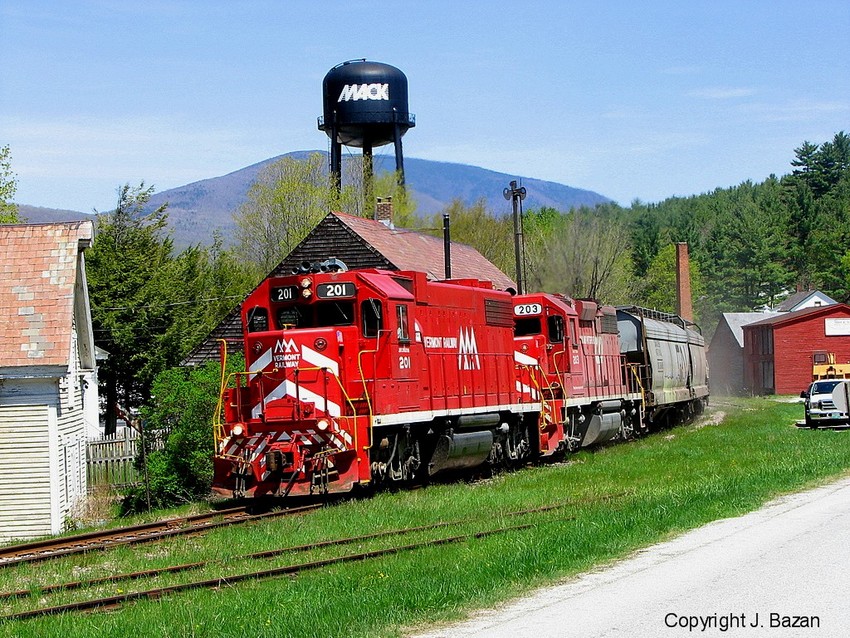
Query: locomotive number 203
[
  {"x": 341, "y": 290},
  {"x": 528, "y": 309}
]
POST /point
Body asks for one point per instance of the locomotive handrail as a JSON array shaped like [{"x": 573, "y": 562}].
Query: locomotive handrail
[
  {"x": 363, "y": 379},
  {"x": 534, "y": 379},
  {"x": 218, "y": 427}
]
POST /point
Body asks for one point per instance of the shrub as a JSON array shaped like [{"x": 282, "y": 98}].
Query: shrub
[{"x": 180, "y": 412}]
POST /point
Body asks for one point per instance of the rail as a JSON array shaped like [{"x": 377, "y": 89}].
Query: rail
[{"x": 36, "y": 551}]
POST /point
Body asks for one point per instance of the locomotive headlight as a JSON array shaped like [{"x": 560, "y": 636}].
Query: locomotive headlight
[
  {"x": 306, "y": 293},
  {"x": 237, "y": 430},
  {"x": 323, "y": 424},
  {"x": 306, "y": 282}
]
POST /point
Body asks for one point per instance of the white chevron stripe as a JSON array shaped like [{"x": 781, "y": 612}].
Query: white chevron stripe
[
  {"x": 319, "y": 360},
  {"x": 288, "y": 388},
  {"x": 260, "y": 364},
  {"x": 524, "y": 359}
]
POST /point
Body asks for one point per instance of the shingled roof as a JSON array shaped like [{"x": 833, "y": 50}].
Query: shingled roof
[
  {"x": 363, "y": 243},
  {"x": 39, "y": 265},
  {"x": 410, "y": 250}
]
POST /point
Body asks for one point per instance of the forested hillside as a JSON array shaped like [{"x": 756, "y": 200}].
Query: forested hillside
[
  {"x": 756, "y": 243},
  {"x": 751, "y": 245}
]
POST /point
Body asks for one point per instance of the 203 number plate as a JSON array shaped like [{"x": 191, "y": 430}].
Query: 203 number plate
[{"x": 528, "y": 309}]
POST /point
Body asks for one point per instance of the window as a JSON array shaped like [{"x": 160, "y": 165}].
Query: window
[
  {"x": 289, "y": 317},
  {"x": 556, "y": 328},
  {"x": 370, "y": 312},
  {"x": 402, "y": 330},
  {"x": 337, "y": 313},
  {"x": 317, "y": 315},
  {"x": 258, "y": 319},
  {"x": 527, "y": 326},
  {"x": 573, "y": 331}
]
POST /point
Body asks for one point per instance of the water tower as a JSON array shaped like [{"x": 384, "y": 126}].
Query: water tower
[{"x": 365, "y": 106}]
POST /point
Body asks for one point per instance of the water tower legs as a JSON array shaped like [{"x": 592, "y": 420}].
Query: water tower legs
[{"x": 399, "y": 156}]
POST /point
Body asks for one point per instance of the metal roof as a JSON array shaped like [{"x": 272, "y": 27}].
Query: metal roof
[
  {"x": 39, "y": 270},
  {"x": 737, "y": 320},
  {"x": 411, "y": 250}
]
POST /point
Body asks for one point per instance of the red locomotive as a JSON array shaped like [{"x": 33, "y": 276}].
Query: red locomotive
[{"x": 370, "y": 376}]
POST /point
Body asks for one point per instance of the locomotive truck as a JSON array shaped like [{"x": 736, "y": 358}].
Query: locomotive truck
[{"x": 357, "y": 378}]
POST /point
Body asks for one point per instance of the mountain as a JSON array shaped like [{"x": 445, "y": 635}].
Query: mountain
[
  {"x": 40, "y": 215},
  {"x": 197, "y": 209}
]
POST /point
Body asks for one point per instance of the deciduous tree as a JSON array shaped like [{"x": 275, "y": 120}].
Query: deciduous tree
[
  {"x": 288, "y": 199},
  {"x": 8, "y": 187},
  {"x": 588, "y": 257}
]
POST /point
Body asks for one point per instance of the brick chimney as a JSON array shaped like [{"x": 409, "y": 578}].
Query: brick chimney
[
  {"x": 684, "y": 306},
  {"x": 384, "y": 210}
]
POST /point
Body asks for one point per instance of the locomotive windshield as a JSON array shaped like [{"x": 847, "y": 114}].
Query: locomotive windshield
[
  {"x": 316, "y": 315},
  {"x": 527, "y": 326}
]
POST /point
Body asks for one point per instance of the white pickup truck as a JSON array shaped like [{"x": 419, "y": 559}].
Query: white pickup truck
[{"x": 827, "y": 403}]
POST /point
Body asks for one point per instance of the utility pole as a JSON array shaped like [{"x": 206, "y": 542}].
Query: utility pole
[{"x": 516, "y": 195}]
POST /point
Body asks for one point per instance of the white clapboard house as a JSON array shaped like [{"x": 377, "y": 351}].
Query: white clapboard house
[{"x": 48, "y": 382}]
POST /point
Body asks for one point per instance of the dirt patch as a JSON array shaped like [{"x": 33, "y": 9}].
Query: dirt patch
[{"x": 715, "y": 418}]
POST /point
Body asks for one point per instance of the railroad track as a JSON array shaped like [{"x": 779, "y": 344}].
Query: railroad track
[
  {"x": 114, "y": 601},
  {"x": 135, "y": 534}
]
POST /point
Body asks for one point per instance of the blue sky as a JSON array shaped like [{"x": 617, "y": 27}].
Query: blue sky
[{"x": 630, "y": 99}]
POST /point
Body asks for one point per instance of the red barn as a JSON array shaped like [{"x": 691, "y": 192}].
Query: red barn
[{"x": 779, "y": 352}]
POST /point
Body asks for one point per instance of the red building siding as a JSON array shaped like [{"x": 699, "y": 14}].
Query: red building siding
[{"x": 778, "y": 351}]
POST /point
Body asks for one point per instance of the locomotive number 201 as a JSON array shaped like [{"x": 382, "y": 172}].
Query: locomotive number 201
[
  {"x": 404, "y": 362},
  {"x": 285, "y": 293},
  {"x": 339, "y": 290},
  {"x": 528, "y": 309}
]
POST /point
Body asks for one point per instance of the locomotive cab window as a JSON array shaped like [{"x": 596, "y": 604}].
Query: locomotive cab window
[
  {"x": 527, "y": 326},
  {"x": 258, "y": 319},
  {"x": 320, "y": 315},
  {"x": 555, "y": 323},
  {"x": 372, "y": 317},
  {"x": 290, "y": 317},
  {"x": 402, "y": 331},
  {"x": 573, "y": 331},
  {"x": 338, "y": 313}
]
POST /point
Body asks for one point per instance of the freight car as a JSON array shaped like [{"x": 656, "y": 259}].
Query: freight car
[{"x": 367, "y": 377}]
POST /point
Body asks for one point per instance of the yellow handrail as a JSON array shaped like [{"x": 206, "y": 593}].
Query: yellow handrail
[{"x": 218, "y": 427}]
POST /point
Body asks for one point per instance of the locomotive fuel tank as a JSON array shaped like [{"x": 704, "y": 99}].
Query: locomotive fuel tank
[
  {"x": 456, "y": 451},
  {"x": 605, "y": 425}
]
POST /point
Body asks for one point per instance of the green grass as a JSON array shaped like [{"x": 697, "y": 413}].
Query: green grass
[{"x": 660, "y": 486}]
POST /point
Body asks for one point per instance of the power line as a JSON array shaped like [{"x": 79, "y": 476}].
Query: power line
[{"x": 169, "y": 305}]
